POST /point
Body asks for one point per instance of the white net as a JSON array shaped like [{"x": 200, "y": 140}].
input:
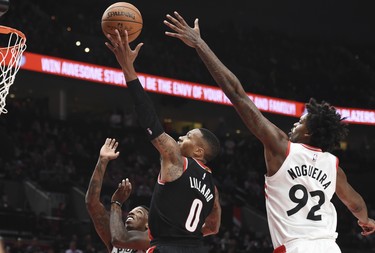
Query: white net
[{"x": 11, "y": 50}]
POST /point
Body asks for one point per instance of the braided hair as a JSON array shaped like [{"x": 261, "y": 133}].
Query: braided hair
[{"x": 325, "y": 125}]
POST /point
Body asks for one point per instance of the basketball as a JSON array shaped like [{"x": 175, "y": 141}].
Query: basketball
[{"x": 122, "y": 16}]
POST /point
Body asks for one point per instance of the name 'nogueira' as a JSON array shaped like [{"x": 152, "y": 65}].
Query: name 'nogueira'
[{"x": 309, "y": 171}]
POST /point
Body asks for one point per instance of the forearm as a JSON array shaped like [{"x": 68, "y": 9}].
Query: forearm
[
  {"x": 359, "y": 209},
  {"x": 144, "y": 108},
  {"x": 129, "y": 73},
  {"x": 95, "y": 184},
  {"x": 119, "y": 234},
  {"x": 221, "y": 74},
  {"x": 99, "y": 215}
]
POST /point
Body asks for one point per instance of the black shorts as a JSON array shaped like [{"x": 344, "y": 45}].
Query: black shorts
[{"x": 179, "y": 249}]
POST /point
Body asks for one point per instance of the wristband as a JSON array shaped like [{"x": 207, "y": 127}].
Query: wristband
[{"x": 117, "y": 203}]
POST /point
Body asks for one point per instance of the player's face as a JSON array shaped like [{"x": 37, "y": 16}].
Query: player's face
[
  {"x": 189, "y": 142},
  {"x": 137, "y": 219},
  {"x": 299, "y": 132}
]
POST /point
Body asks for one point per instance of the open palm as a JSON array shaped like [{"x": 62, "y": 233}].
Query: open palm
[{"x": 108, "y": 150}]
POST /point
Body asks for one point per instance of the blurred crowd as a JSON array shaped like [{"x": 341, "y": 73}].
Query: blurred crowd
[{"x": 58, "y": 154}]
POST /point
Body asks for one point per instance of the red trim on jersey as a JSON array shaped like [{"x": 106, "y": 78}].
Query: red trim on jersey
[
  {"x": 265, "y": 193},
  {"x": 311, "y": 147},
  {"x": 150, "y": 250},
  {"x": 288, "y": 149},
  {"x": 280, "y": 249},
  {"x": 203, "y": 165},
  {"x": 150, "y": 235},
  {"x": 185, "y": 163},
  {"x": 160, "y": 181},
  {"x": 337, "y": 163}
]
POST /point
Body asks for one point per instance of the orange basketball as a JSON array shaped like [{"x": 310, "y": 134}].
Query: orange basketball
[{"x": 122, "y": 16}]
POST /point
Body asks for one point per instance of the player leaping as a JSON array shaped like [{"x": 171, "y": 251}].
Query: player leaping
[{"x": 302, "y": 175}]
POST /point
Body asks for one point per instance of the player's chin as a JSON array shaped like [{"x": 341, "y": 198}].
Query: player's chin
[
  {"x": 290, "y": 135},
  {"x": 129, "y": 226}
]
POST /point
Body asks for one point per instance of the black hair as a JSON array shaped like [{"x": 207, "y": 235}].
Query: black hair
[
  {"x": 325, "y": 125},
  {"x": 146, "y": 208},
  {"x": 213, "y": 143}
]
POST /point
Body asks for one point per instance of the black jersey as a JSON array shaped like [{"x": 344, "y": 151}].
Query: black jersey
[{"x": 179, "y": 208}]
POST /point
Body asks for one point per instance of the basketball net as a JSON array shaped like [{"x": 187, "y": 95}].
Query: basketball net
[{"x": 13, "y": 44}]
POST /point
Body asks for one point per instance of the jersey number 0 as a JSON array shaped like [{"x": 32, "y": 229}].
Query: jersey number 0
[{"x": 194, "y": 214}]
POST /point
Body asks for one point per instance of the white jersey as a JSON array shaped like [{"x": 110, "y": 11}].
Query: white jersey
[
  {"x": 298, "y": 196},
  {"x": 118, "y": 250}
]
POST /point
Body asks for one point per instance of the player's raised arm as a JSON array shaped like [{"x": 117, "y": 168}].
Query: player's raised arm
[
  {"x": 271, "y": 136},
  {"x": 133, "y": 237},
  {"x": 99, "y": 215},
  {"x": 172, "y": 162}
]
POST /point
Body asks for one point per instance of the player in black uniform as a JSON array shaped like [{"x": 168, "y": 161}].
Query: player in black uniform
[
  {"x": 185, "y": 204},
  {"x": 134, "y": 233}
]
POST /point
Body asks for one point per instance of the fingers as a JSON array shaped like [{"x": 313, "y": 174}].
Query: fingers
[
  {"x": 368, "y": 227},
  {"x": 196, "y": 24},
  {"x": 114, "y": 40},
  {"x": 117, "y": 41},
  {"x": 176, "y": 23},
  {"x": 367, "y": 232},
  {"x": 171, "y": 26},
  {"x": 138, "y": 47},
  {"x": 125, "y": 183},
  {"x": 180, "y": 18}
]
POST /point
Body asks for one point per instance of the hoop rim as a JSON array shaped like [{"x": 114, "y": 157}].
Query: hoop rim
[{"x": 7, "y": 30}]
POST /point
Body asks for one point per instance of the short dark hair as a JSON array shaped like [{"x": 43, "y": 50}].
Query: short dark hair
[
  {"x": 146, "y": 208},
  {"x": 213, "y": 144},
  {"x": 325, "y": 125}
]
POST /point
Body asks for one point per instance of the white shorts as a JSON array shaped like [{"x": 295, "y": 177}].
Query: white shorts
[{"x": 310, "y": 246}]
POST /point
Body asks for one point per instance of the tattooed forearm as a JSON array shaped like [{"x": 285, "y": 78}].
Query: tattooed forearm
[{"x": 171, "y": 159}]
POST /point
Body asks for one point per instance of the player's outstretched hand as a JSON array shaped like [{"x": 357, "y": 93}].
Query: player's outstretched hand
[
  {"x": 108, "y": 150},
  {"x": 121, "y": 49},
  {"x": 368, "y": 228},
  {"x": 123, "y": 191},
  {"x": 189, "y": 35}
]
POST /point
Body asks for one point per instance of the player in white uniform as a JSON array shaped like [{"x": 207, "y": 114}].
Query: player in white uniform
[
  {"x": 301, "y": 176},
  {"x": 135, "y": 235}
]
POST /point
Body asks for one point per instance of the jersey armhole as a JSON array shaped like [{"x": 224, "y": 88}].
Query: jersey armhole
[
  {"x": 185, "y": 163},
  {"x": 288, "y": 149},
  {"x": 337, "y": 163}
]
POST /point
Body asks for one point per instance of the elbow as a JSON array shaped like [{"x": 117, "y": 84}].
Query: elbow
[
  {"x": 357, "y": 206},
  {"x": 90, "y": 204},
  {"x": 216, "y": 230},
  {"x": 116, "y": 242},
  {"x": 213, "y": 232}
]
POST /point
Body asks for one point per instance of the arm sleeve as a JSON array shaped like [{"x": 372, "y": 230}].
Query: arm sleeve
[{"x": 145, "y": 110}]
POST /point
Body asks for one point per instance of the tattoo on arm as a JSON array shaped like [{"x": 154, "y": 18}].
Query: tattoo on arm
[
  {"x": 171, "y": 158},
  {"x": 96, "y": 210}
]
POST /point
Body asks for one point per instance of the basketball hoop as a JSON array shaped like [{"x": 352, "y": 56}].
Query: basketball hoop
[{"x": 12, "y": 46}]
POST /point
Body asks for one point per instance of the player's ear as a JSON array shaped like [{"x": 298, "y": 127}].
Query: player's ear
[
  {"x": 199, "y": 152},
  {"x": 146, "y": 225}
]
